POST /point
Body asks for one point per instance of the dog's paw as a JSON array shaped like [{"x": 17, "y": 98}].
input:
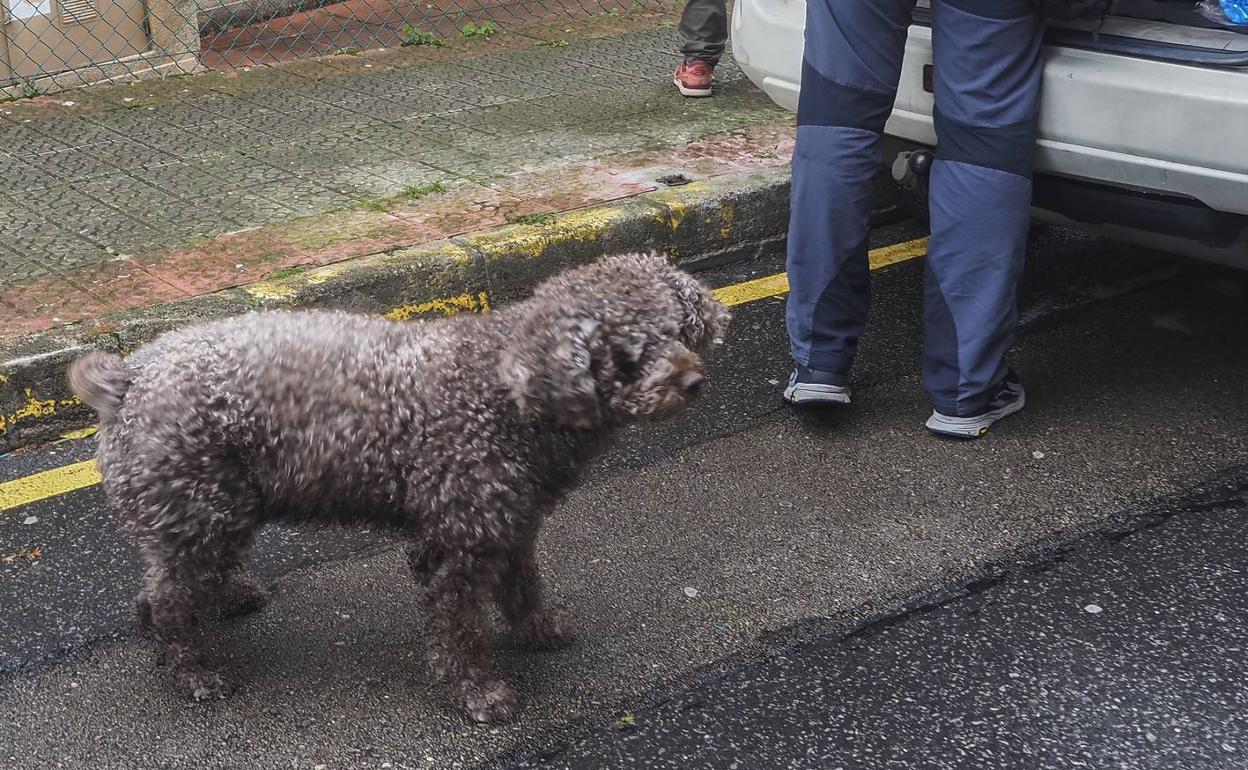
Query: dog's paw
[
  {"x": 490, "y": 702},
  {"x": 204, "y": 685},
  {"x": 551, "y": 630},
  {"x": 240, "y": 596}
]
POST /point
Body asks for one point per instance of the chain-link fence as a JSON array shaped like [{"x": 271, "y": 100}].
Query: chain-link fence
[{"x": 48, "y": 45}]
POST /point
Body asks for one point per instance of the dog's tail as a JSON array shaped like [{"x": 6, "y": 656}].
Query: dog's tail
[{"x": 101, "y": 381}]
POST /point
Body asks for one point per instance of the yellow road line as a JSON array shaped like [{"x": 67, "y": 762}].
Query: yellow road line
[
  {"x": 752, "y": 291},
  {"x": 58, "y": 481},
  {"x": 778, "y": 285},
  {"x": 899, "y": 252},
  {"x": 50, "y": 483}
]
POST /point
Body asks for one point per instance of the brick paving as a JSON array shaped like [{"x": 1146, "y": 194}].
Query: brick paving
[{"x": 115, "y": 198}]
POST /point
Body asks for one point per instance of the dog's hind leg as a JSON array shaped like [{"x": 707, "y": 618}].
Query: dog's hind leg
[
  {"x": 191, "y": 543},
  {"x": 143, "y": 612},
  {"x": 455, "y": 589},
  {"x": 236, "y": 592},
  {"x": 520, "y": 597},
  {"x": 175, "y": 596}
]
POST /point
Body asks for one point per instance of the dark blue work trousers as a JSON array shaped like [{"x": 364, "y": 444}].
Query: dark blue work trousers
[{"x": 987, "y": 67}]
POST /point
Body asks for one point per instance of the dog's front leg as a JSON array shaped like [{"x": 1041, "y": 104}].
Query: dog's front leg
[
  {"x": 520, "y": 597},
  {"x": 455, "y": 592}
]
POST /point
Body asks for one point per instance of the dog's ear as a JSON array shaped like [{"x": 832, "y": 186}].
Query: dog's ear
[
  {"x": 703, "y": 319},
  {"x": 551, "y": 364}
]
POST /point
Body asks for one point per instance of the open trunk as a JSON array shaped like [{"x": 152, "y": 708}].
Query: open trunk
[
  {"x": 1164, "y": 30},
  {"x": 1182, "y": 12},
  {"x": 1161, "y": 30}
]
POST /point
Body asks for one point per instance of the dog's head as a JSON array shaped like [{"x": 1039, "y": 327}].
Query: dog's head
[{"x": 614, "y": 342}]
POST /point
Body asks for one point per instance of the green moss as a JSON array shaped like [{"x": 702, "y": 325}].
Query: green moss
[
  {"x": 416, "y": 192},
  {"x": 285, "y": 272},
  {"x": 539, "y": 220}
]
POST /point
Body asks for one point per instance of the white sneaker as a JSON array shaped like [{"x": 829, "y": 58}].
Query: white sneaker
[
  {"x": 808, "y": 387},
  {"x": 1010, "y": 398}
]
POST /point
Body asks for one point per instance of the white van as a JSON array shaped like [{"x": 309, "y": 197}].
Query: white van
[{"x": 1143, "y": 123}]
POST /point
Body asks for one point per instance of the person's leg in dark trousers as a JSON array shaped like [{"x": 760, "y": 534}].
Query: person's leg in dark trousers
[
  {"x": 852, "y": 62},
  {"x": 704, "y": 32},
  {"x": 987, "y": 71}
]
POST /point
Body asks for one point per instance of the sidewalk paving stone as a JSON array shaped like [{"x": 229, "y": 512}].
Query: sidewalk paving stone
[{"x": 119, "y": 197}]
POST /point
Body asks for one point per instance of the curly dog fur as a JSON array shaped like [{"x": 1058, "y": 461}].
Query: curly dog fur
[{"x": 459, "y": 434}]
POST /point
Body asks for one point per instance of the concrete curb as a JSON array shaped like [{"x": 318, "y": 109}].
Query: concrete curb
[{"x": 702, "y": 224}]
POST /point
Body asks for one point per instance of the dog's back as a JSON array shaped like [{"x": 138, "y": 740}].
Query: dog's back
[
  {"x": 243, "y": 358},
  {"x": 311, "y": 407}
]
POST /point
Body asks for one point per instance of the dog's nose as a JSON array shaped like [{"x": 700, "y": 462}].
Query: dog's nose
[{"x": 691, "y": 382}]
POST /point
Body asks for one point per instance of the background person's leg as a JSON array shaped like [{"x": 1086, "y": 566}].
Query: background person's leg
[
  {"x": 987, "y": 72},
  {"x": 704, "y": 30},
  {"x": 850, "y": 70}
]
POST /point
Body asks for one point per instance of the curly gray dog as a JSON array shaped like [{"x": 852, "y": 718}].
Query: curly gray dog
[{"x": 459, "y": 434}]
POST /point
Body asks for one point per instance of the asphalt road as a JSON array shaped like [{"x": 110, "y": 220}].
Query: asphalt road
[
  {"x": 1127, "y": 652},
  {"x": 794, "y": 530}
]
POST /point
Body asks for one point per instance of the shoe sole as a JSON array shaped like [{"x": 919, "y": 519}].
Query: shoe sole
[
  {"x": 973, "y": 427},
  {"x": 692, "y": 92},
  {"x": 806, "y": 394}
]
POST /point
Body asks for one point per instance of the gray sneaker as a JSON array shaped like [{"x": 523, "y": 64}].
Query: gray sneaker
[
  {"x": 1009, "y": 399},
  {"x": 808, "y": 387}
]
